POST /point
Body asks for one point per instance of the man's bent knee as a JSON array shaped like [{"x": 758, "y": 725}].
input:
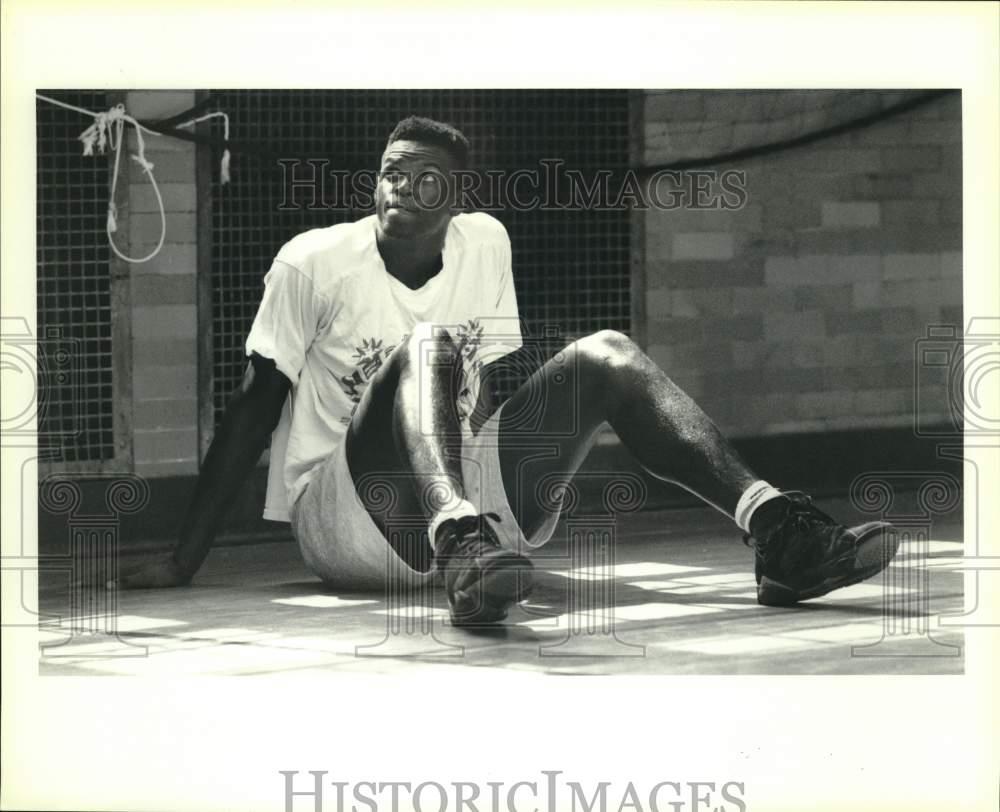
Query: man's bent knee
[
  {"x": 427, "y": 345},
  {"x": 608, "y": 362},
  {"x": 607, "y": 350}
]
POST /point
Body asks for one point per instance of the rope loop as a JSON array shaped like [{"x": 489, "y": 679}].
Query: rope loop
[{"x": 107, "y": 132}]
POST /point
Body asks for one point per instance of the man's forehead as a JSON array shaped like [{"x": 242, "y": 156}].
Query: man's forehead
[{"x": 416, "y": 151}]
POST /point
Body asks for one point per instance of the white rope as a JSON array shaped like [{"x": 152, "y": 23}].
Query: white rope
[
  {"x": 224, "y": 164},
  {"x": 108, "y": 130}
]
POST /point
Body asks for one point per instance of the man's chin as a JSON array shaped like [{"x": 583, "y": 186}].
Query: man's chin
[
  {"x": 406, "y": 225},
  {"x": 395, "y": 230}
]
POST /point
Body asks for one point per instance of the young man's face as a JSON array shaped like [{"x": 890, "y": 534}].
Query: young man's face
[{"x": 412, "y": 198}]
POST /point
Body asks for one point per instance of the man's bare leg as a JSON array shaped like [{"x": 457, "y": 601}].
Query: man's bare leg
[
  {"x": 602, "y": 378},
  {"x": 404, "y": 435},
  {"x": 800, "y": 552}
]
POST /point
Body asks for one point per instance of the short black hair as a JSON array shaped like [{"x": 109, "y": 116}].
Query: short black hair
[{"x": 434, "y": 133}]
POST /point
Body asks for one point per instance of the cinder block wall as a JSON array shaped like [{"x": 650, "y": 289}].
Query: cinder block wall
[
  {"x": 800, "y": 311},
  {"x": 164, "y": 296}
]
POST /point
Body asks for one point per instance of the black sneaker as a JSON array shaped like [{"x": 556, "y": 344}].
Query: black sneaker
[
  {"x": 804, "y": 553},
  {"x": 482, "y": 579}
]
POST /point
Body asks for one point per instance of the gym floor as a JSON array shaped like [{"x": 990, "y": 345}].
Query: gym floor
[{"x": 681, "y": 586}]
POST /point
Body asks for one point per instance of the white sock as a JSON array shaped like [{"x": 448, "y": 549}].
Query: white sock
[
  {"x": 454, "y": 511},
  {"x": 752, "y": 498}
]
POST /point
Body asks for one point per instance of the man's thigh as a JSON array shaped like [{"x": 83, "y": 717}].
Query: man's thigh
[{"x": 337, "y": 537}]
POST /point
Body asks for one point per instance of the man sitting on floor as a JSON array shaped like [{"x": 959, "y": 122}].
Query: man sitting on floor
[{"x": 366, "y": 357}]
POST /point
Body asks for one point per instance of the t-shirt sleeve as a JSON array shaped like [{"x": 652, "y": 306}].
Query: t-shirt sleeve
[
  {"x": 287, "y": 320},
  {"x": 508, "y": 320}
]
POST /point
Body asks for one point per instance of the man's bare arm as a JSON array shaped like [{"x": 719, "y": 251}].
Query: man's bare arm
[{"x": 250, "y": 417}]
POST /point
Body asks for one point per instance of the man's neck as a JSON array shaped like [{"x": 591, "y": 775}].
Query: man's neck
[{"x": 412, "y": 262}]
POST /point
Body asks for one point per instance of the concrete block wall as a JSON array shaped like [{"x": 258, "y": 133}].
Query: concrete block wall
[
  {"x": 800, "y": 311},
  {"x": 164, "y": 296}
]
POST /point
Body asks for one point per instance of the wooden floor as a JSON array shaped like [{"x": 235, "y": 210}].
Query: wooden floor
[{"x": 681, "y": 589}]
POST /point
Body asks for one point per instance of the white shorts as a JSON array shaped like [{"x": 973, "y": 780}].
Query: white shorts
[{"x": 343, "y": 546}]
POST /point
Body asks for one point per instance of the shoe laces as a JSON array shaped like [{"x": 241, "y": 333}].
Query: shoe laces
[
  {"x": 801, "y": 518},
  {"x": 804, "y": 515},
  {"x": 470, "y": 536}
]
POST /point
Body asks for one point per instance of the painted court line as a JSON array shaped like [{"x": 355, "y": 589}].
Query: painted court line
[
  {"x": 912, "y": 547},
  {"x": 104, "y": 648},
  {"x": 736, "y": 606},
  {"x": 660, "y": 611},
  {"x": 643, "y": 568},
  {"x": 689, "y": 589},
  {"x": 323, "y": 644},
  {"x": 637, "y": 570},
  {"x": 660, "y": 584},
  {"x": 721, "y": 579},
  {"x": 861, "y": 592},
  {"x": 233, "y": 635},
  {"x": 218, "y": 660},
  {"x": 597, "y": 618},
  {"x": 853, "y": 632},
  {"x": 122, "y": 623},
  {"x": 322, "y": 601},
  {"x": 412, "y": 611},
  {"x": 735, "y": 645}
]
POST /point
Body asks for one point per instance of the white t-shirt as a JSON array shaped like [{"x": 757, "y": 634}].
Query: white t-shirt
[{"x": 331, "y": 315}]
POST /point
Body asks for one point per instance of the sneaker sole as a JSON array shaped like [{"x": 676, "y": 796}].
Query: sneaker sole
[
  {"x": 875, "y": 549},
  {"x": 507, "y": 581}
]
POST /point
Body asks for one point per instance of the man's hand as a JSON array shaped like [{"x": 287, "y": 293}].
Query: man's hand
[{"x": 156, "y": 573}]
